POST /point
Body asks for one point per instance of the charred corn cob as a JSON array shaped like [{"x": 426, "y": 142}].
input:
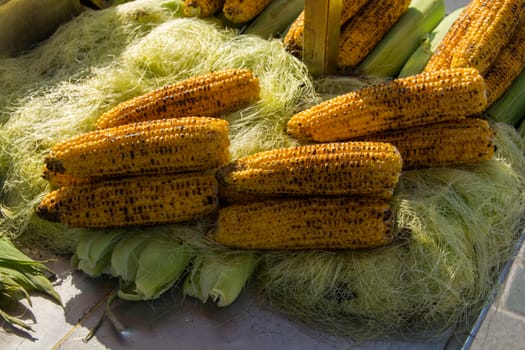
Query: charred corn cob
[
  {"x": 506, "y": 67},
  {"x": 242, "y": 11},
  {"x": 293, "y": 40},
  {"x": 453, "y": 143},
  {"x": 132, "y": 201},
  {"x": 152, "y": 147},
  {"x": 347, "y": 168},
  {"x": 306, "y": 223},
  {"x": 202, "y": 8},
  {"x": 208, "y": 95},
  {"x": 367, "y": 28},
  {"x": 487, "y": 33},
  {"x": 57, "y": 179},
  {"x": 399, "y": 103}
]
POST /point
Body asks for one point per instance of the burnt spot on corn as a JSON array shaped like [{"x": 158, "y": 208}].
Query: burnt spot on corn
[{"x": 54, "y": 164}]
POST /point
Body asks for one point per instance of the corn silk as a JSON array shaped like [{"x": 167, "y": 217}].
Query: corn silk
[{"x": 456, "y": 227}]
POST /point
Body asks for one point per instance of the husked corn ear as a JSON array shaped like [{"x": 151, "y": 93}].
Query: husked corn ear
[
  {"x": 152, "y": 147},
  {"x": 506, "y": 67},
  {"x": 364, "y": 31},
  {"x": 293, "y": 40},
  {"x": 306, "y": 223},
  {"x": 57, "y": 179},
  {"x": 453, "y": 143},
  {"x": 415, "y": 100},
  {"x": 487, "y": 33},
  {"x": 132, "y": 201},
  {"x": 346, "y": 168},
  {"x": 202, "y": 8},
  {"x": 442, "y": 56},
  {"x": 209, "y": 95},
  {"x": 242, "y": 11}
]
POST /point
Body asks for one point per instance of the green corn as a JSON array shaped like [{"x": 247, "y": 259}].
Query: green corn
[
  {"x": 510, "y": 107},
  {"x": 125, "y": 256},
  {"x": 275, "y": 18},
  {"x": 388, "y": 57},
  {"x": 419, "y": 58}
]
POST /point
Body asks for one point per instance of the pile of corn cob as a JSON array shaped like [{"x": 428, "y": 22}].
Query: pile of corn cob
[{"x": 235, "y": 11}]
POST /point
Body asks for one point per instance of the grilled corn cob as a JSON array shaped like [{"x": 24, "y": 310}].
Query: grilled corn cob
[
  {"x": 152, "y": 147},
  {"x": 453, "y": 143},
  {"x": 347, "y": 168},
  {"x": 487, "y": 33},
  {"x": 399, "y": 103},
  {"x": 132, "y": 201},
  {"x": 367, "y": 28},
  {"x": 506, "y": 67},
  {"x": 57, "y": 179},
  {"x": 306, "y": 223},
  {"x": 242, "y": 11},
  {"x": 293, "y": 40},
  {"x": 202, "y": 8},
  {"x": 209, "y": 95}
]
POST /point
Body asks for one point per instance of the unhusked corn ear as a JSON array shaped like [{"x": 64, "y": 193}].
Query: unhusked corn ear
[
  {"x": 346, "y": 168},
  {"x": 202, "y": 8},
  {"x": 506, "y": 67},
  {"x": 242, "y": 11},
  {"x": 364, "y": 31},
  {"x": 132, "y": 201},
  {"x": 293, "y": 40},
  {"x": 151, "y": 147},
  {"x": 209, "y": 95},
  {"x": 415, "y": 100},
  {"x": 487, "y": 33},
  {"x": 306, "y": 223},
  {"x": 442, "y": 56},
  {"x": 453, "y": 143}
]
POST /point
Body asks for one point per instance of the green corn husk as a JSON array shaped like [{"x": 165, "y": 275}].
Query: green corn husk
[
  {"x": 219, "y": 277},
  {"x": 93, "y": 251},
  {"x": 161, "y": 263},
  {"x": 125, "y": 256},
  {"x": 419, "y": 58},
  {"x": 389, "y": 56},
  {"x": 275, "y": 18},
  {"x": 510, "y": 107}
]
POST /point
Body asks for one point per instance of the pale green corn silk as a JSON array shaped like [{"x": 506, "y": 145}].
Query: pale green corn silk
[
  {"x": 105, "y": 57},
  {"x": 455, "y": 227}
]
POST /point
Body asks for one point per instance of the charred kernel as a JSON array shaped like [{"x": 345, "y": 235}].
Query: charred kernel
[
  {"x": 195, "y": 96},
  {"x": 152, "y": 147},
  {"x": 416, "y": 100},
  {"x": 345, "y": 168},
  {"x": 460, "y": 142},
  {"x": 305, "y": 223},
  {"x": 242, "y": 11},
  {"x": 132, "y": 201}
]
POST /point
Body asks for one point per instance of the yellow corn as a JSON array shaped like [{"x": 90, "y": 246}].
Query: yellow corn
[
  {"x": 306, "y": 223},
  {"x": 442, "y": 56},
  {"x": 152, "y": 147},
  {"x": 242, "y": 11},
  {"x": 399, "y": 103},
  {"x": 57, "y": 179},
  {"x": 293, "y": 40},
  {"x": 208, "y": 95},
  {"x": 453, "y": 143},
  {"x": 487, "y": 33},
  {"x": 364, "y": 31},
  {"x": 132, "y": 201},
  {"x": 506, "y": 67},
  {"x": 202, "y": 8},
  {"x": 346, "y": 168}
]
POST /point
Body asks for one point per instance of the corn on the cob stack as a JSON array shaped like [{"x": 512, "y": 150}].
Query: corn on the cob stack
[
  {"x": 152, "y": 147},
  {"x": 347, "y": 168},
  {"x": 202, "y": 8},
  {"x": 399, "y": 103},
  {"x": 453, "y": 143},
  {"x": 487, "y": 33},
  {"x": 132, "y": 201},
  {"x": 210, "y": 95},
  {"x": 506, "y": 67},
  {"x": 293, "y": 40},
  {"x": 367, "y": 28},
  {"x": 306, "y": 223},
  {"x": 242, "y": 11}
]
